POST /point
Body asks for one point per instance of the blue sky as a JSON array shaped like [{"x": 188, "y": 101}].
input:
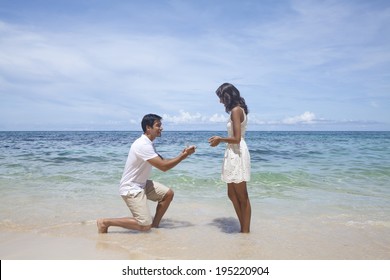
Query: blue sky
[{"x": 102, "y": 65}]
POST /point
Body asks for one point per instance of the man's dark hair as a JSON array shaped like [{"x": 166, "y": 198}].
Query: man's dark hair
[{"x": 148, "y": 120}]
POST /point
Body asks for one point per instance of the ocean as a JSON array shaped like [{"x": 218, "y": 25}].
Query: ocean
[{"x": 314, "y": 195}]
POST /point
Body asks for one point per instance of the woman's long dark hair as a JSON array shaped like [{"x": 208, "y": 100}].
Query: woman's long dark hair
[{"x": 230, "y": 97}]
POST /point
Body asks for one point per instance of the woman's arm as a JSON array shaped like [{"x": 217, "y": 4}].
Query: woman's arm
[{"x": 237, "y": 116}]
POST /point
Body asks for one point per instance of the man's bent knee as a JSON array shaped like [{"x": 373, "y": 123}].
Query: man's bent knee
[
  {"x": 145, "y": 228},
  {"x": 169, "y": 195}
]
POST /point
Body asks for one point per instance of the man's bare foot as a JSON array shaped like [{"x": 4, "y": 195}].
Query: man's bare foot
[{"x": 101, "y": 227}]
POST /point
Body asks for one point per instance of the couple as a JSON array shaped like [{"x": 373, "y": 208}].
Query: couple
[{"x": 136, "y": 188}]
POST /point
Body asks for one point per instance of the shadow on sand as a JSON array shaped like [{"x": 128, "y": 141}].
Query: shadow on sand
[
  {"x": 227, "y": 225},
  {"x": 171, "y": 224}
]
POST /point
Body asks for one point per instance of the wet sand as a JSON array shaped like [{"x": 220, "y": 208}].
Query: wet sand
[{"x": 202, "y": 236}]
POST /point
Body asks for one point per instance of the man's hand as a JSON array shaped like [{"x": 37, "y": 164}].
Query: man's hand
[{"x": 190, "y": 150}]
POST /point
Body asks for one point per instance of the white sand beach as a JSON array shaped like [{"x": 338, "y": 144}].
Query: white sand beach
[{"x": 207, "y": 235}]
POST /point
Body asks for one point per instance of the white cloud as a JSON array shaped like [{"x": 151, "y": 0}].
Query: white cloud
[
  {"x": 218, "y": 118},
  {"x": 256, "y": 120},
  {"x": 197, "y": 118},
  {"x": 184, "y": 117},
  {"x": 306, "y": 117}
]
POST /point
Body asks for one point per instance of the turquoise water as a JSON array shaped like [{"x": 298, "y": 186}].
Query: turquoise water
[
  {"x": 354, "y": 166},
  {"x": 54, "y": 178}
]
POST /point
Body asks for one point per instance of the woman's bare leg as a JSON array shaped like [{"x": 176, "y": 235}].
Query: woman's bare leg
[
  {"x": 238, "y": 194},
  {"x": 246, "y": 210},
  {"x": 233, "y": 198}
]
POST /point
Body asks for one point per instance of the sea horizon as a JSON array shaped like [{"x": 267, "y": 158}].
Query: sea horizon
[{"x": 192, "y": 130}]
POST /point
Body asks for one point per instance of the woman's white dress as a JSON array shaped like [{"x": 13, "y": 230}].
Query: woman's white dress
[{"x": 236, "y": 166}]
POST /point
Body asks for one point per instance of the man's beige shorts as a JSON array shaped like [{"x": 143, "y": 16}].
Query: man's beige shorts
[{"x": 138, "y": 204}]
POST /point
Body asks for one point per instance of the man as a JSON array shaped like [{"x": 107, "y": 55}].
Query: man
[{"x": 135, "y": 185}]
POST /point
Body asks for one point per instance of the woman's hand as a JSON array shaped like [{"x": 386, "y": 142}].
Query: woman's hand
[{"x": 214, "y": 141}]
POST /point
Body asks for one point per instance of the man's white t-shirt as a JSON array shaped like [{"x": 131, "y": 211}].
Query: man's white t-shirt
[{"x": 137, "y": 169}]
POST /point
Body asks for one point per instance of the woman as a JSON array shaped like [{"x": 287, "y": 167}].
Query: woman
[{"x": 236, "y": 163}]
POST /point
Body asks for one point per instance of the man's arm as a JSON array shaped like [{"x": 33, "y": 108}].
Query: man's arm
[{"x": 166, "y": 164}]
